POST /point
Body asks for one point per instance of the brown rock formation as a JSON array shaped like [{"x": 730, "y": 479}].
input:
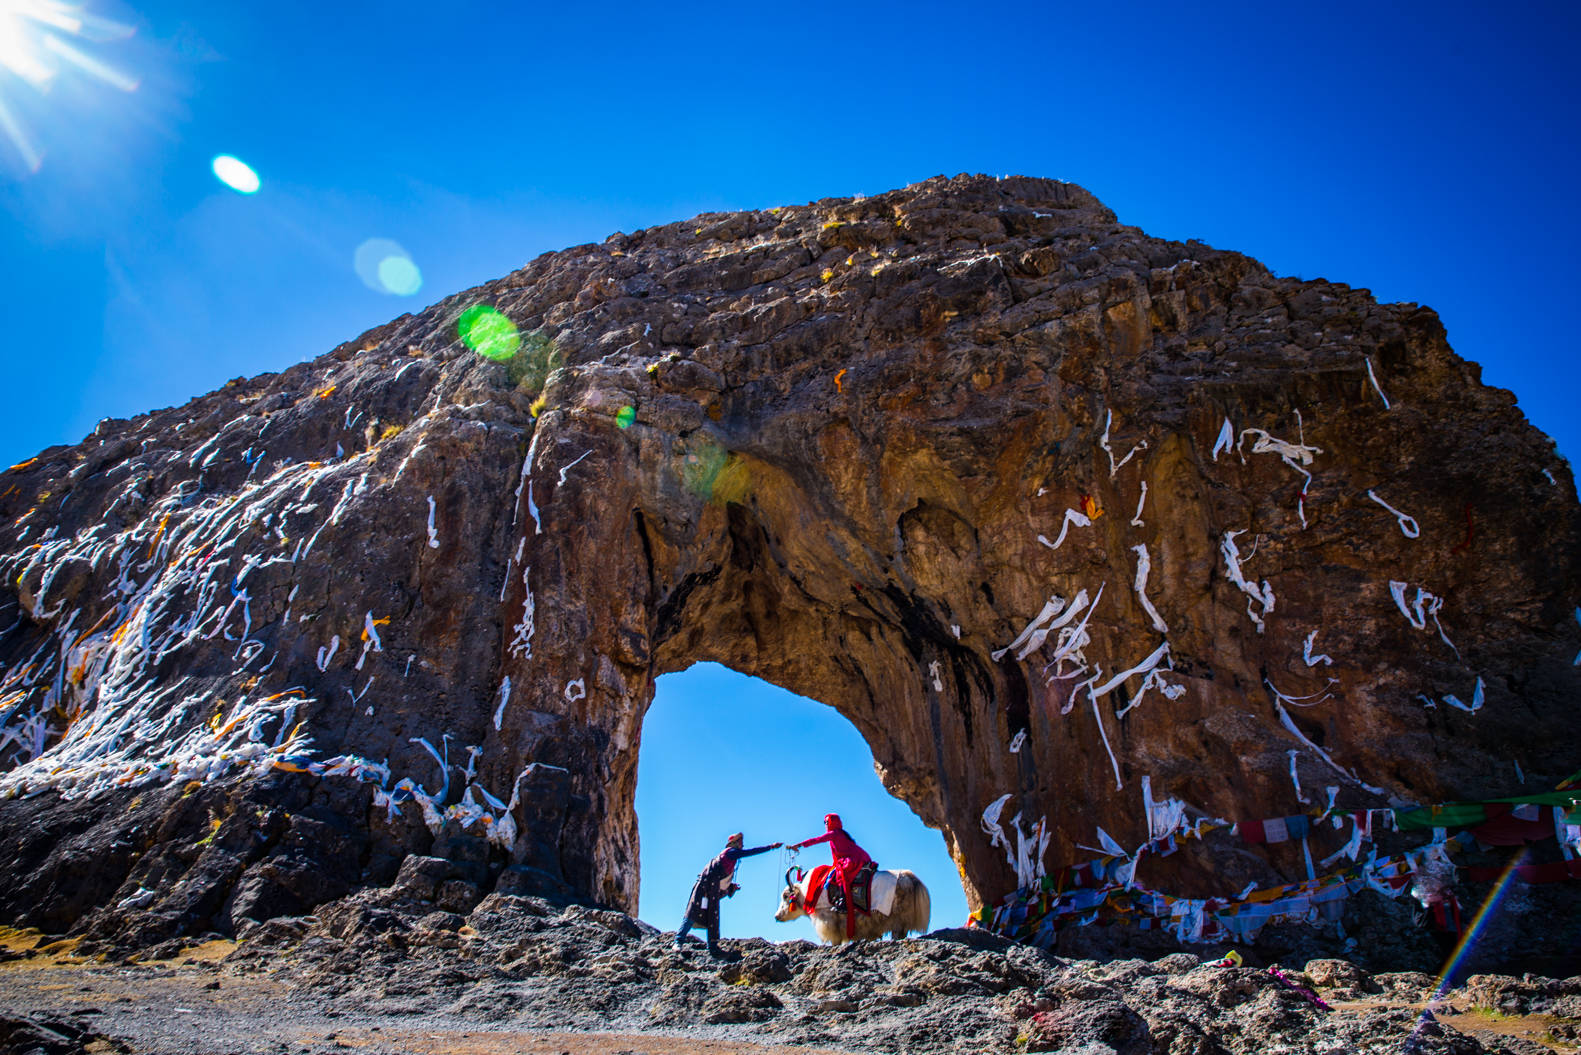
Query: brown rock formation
[{"x": 869, "y": 440}]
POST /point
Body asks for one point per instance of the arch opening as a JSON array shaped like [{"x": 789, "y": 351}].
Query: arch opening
[{"x": 723, "y": 752}]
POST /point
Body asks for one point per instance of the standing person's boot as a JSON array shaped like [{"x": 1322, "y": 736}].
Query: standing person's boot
[{"x": 715, "y": 951}]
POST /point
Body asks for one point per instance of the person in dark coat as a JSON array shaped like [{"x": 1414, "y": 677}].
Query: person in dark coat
[
  {"x": 848, "y": 859},
  {"x": 717, "y": 881}
]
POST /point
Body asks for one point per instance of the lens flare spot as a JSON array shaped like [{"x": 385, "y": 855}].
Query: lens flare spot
[
  {"x": 714, "y": 474},
  {"x": 489, "y": 333},
  {"x": 625, "y": 416},
  {"x": 236, "y": 174},
  {"x": 400, "y": 276},
  {"x": 386, "y": 267}
]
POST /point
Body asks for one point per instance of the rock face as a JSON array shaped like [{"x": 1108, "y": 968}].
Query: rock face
[{"x": 404, "y": 598}]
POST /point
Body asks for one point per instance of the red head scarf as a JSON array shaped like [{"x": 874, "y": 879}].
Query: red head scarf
[{"x": 831, "y": 821}]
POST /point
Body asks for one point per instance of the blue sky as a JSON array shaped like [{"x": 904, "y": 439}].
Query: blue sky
[{"x": 1427, "y": 152}]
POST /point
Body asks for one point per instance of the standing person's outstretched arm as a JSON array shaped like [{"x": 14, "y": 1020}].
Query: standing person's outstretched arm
[{"x": 759, "y": 850}]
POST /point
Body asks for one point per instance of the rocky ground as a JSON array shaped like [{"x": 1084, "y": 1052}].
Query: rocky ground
[{"x": 389, "y": 971}]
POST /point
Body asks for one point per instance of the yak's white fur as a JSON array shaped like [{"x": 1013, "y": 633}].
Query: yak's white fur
[{"x": 912, "y": 909}]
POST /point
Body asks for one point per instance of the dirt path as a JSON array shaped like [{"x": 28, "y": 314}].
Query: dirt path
[
  {"x": 188, "y": 1006},
  {"x": 505, "y": 1042},
  {"x": 1491, "y": 1028}
]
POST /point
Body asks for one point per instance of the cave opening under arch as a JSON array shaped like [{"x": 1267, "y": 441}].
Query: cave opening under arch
[{"x": 724, "y": 752}]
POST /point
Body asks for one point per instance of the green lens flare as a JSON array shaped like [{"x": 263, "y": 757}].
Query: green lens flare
[
  {"x": 625, "y": 416},
  {"x": 701, "y": 467},
  {"x": 484, "y": 330}
]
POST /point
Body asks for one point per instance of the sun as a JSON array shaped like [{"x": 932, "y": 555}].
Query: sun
[{"x": 42, "y": 41}]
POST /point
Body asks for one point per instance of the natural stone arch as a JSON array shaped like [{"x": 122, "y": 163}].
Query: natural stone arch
[
  {"x": 857, "y": 426},
  {"x": 740, "y": 575},
  {"x": 820, "y": 500}
]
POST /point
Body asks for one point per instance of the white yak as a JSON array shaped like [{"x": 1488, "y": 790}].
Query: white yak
[{"x": 908, "y": 911}]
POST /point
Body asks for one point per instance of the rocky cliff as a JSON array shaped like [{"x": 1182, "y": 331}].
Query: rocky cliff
[{"x": 1049, "y": 509}]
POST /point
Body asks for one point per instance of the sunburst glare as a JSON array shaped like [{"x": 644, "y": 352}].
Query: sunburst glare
[{"x": 34, "y": 50}]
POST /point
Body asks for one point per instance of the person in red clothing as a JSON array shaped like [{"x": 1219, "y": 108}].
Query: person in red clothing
[{"x": 848, "y": 861}]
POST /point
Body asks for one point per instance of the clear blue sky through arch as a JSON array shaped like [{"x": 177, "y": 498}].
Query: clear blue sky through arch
[{"x": 722, "y": 752}]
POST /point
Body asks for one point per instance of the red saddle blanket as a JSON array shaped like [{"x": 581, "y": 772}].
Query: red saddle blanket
[
  {"x": 861, "y": 891},
  {"x": 815, "y": 881}
]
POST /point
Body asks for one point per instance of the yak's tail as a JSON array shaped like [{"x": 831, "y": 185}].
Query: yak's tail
[{"x": 921, "y": 908}]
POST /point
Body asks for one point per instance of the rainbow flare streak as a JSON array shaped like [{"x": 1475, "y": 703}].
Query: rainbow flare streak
[{"x": 1469, "y": 936}]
